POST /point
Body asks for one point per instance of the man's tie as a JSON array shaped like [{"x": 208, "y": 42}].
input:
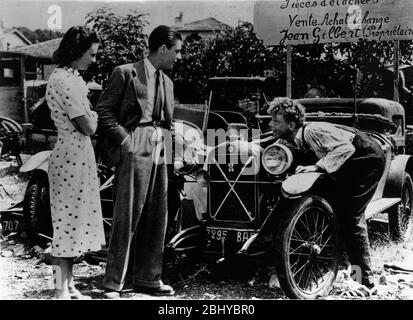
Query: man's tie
[{"x": 157, "y": 109}]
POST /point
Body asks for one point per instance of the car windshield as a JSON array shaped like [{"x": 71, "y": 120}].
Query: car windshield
[{"x": 235, "y": 96}]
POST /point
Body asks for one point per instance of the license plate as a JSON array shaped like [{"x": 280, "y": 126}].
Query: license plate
[
  {"x": 9, "y": 226},
  {"x": 10, "y": 223},
  {"x": 240, "y": 236}
]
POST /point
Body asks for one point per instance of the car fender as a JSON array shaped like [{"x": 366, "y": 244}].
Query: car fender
[
  {"x": 296, "y": 185},
  {"x": 394, "y": 182},
  {"x": 39, "y": 161}
]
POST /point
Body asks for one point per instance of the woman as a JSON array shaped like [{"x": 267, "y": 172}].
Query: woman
[{"x": 74, "y": 187}]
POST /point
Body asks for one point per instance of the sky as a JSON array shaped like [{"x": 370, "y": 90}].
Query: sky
[{"x": 33, "y": 14}]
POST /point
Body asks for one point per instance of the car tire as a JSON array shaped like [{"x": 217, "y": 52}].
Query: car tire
[
  {"x": 298, "y": 247},
  {"x": 401, "y": 217},
  {"x": 36, "y": 211}
]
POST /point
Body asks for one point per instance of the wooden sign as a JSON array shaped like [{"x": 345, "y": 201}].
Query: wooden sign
[{"x": 294, "y": 22}]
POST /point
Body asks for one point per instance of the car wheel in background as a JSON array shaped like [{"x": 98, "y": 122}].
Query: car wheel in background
[{"x": 400, "y": 217}]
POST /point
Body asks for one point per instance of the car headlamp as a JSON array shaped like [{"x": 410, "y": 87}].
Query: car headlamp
[
  {"x": 277, "y": 159},
  {"x": 188, "y": 146}
]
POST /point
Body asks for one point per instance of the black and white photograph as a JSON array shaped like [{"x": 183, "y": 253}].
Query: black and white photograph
[{"x": 228, "y": 152}]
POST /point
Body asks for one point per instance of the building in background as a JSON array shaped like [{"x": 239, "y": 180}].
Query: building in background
[
  {"x": 10, "y": 39},
  {"x": 23, "y": 76},
  {"x": 205, "y": 28}
]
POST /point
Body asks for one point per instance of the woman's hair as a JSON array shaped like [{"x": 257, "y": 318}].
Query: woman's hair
[
  {"x": 75, "y": 42},
  {"x": 163, "y": 35},
  {"x": 291, "y": 110}
]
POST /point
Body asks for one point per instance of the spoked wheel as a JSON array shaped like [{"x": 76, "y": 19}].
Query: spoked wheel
[
  {"x": 307, "y": 246},
  {"x": 400, "y": 218}
]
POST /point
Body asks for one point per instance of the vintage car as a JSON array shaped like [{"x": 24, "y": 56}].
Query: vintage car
[
  {"x": 250, "y": 204},
  {"x": 234, "y": 194}
]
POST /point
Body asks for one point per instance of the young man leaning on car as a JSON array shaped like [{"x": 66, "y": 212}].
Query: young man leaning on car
[{"x": 344, "y": 153}]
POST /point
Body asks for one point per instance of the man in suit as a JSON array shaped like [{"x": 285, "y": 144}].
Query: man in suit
[{"x": 135, "y": 109}]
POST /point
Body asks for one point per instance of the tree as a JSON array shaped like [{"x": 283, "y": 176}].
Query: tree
[
  {"x": 191, "y": 74},
  {"x": 233, "y": 52},
  {"x": 238, "y": 52},
  {"x": 39, "y": 35},
  {"x": 336, "y": 65},
  {"x": 122, "y": 41}
]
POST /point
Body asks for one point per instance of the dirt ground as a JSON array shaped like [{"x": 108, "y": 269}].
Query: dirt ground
[{"x": 25, "y": 274}]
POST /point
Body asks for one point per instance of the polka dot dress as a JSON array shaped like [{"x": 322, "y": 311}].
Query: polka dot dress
[{"x": 74, "y": 187}]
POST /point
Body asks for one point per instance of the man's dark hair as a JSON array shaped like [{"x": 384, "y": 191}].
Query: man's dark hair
[
  {"x": 163, "y": 35},
  {"x": 76, "y": 41}
]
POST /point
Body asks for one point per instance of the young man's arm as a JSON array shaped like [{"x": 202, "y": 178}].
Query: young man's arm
[
  {"x": 333, "y": 146},
  {"x": 108, "y": 104}
]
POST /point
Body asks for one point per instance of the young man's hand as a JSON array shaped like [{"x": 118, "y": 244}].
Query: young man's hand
[{"x": 302, "y": 169}]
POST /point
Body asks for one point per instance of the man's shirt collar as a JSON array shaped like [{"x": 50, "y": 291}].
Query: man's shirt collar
[{"x": 149, "y": 67}]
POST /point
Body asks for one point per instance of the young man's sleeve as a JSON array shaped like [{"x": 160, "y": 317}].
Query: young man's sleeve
[
  {"x": 108, "y": 104},
  {"x": 333, "y": 146}
]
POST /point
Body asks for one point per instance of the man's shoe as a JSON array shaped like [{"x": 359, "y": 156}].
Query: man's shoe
[
  {"x": 112, "y": 294},
  {"x": 368, "y": 281},
  {"x": 163, "y": 290}
]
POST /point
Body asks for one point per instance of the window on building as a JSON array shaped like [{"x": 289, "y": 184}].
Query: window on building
[{"x": 9, "y": 72}]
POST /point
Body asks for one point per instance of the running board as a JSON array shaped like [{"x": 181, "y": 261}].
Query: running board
[{"x": 380, "y": 205}]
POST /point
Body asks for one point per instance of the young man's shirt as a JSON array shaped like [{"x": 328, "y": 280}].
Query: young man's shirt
[
  {"x": 151, "y": 85},
  {"x": 331, "y": 143}
]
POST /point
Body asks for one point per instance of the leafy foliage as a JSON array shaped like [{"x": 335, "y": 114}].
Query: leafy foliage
[
  {"x": 233, "y": 52},
  {"x": 330, "y": 67},
  {"x": 122, "y": 41},
  {"x": 336, "y": 66}
]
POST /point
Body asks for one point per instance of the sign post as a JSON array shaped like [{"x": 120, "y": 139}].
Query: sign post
[
  {"x": 396, "y": 75},
  {"x": 289, "y": 71}
]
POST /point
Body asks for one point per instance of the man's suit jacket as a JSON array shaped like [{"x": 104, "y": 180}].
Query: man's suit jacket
[{"x": 121, "y": 104}]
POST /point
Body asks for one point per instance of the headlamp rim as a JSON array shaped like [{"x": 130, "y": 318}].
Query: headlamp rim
[{"x": 287, "y": 152}]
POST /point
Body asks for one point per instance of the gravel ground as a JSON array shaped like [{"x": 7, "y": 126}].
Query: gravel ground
[
  {"x": 27, "y": 277},
  {"x": 24, "y": 273}
]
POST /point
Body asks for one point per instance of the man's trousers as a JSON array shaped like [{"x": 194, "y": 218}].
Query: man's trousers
[
  {"x": 140, "y": 213},
  {"x": 357, "y": 181}
]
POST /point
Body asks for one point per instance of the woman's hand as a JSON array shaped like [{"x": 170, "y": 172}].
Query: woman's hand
[{"x": 303, "y": 169}]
